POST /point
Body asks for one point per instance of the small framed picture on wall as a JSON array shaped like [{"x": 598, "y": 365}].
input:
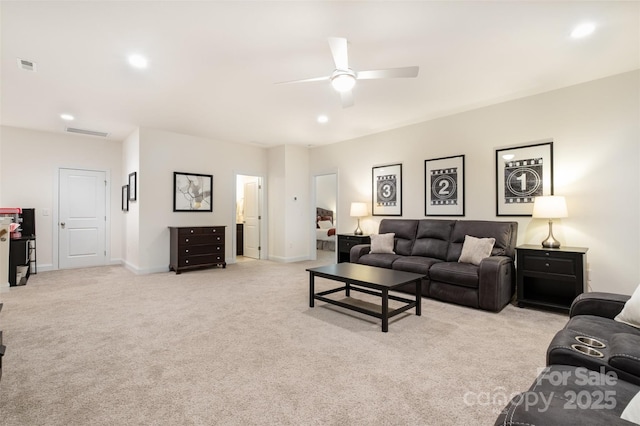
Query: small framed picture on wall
[
  {"x": 444, "y": 186},
  {"x": 387, "y": 190},
  {"x": 522, "y": 174},
  {"x": 125, "y": 198}
]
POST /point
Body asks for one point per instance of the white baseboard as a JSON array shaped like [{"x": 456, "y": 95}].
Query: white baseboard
[{"x": 288, "y": 259}]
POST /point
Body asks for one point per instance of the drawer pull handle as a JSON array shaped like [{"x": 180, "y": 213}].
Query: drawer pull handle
[
  {"x": 192, "y": 231},
  {"x": 186, "y": 251},
  {"x": 186, "y": 240},
  {"x": 186, "y": 261},
  {"x": 213, "y": 230},
  {"x": 546, "y": 264}
]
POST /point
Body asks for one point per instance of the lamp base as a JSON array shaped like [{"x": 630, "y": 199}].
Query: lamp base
[
  {"x": 358, "y": 231},
  {"x": 550, "y": 241}
]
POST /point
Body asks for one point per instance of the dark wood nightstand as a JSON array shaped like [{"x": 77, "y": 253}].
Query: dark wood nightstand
[
  {"x": 550, "y": 278},
  {"x": 346, "y": 241}
]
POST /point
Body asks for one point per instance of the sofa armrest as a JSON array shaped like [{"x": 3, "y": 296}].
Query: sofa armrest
[
  {"x": 496, "y": 282},
  {"x": 358, "y": 251},
  {"x": 606, "y": 305},
  {"x": 625, "y": 353}
]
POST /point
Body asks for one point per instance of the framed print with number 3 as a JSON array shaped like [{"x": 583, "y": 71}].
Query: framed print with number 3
[
  {"x": 387, "y": 190},
  {"x": 522, "y": 174},
  {"x": 444, "y": 186}
]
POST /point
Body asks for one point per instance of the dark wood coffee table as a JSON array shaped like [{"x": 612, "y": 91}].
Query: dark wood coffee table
[{"x": 376, "y": 281}]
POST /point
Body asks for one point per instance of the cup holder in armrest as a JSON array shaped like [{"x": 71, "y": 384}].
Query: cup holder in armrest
[
  {"x": 591, "y": 342},
  {"x": 587, "y": 351}
]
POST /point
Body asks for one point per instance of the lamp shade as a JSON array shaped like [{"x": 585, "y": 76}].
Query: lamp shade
[
  {"x": 550, "y": 207},
  {"x": 358, "y": 210}
]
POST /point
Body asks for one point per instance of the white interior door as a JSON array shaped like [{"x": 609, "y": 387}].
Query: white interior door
[
  {"x": 252, "y": 219},
  {"x": 81, "y": 218}
]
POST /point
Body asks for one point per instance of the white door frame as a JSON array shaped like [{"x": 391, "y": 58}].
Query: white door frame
[
  {"x": 312, "y": 211},
  {"x": 55, "y": 213},
  {"x": 264, "y": 243}
]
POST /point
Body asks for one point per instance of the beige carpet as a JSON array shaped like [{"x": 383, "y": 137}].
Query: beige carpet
[{"x": 240, "y": 346}]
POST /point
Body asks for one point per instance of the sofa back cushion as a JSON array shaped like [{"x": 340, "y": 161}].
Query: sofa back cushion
[
  {"x": 432, "y": 238},
  {"x": 405, "y": 230},
  {"x": 505, "y": 233}
]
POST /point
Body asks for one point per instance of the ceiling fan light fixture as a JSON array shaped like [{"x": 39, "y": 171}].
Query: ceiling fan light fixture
[{"x": 343, "y": 82}]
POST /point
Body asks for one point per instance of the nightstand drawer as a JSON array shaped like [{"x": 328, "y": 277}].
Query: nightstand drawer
[
  {"x": 346, "y": 244},
  {"x": 549, "y": 265}
]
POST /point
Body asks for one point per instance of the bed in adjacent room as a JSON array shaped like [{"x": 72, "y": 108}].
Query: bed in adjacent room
[{"x": 325, "y": 230}]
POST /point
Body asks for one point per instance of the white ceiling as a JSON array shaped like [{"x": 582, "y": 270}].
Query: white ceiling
[{"x": 213, "y": 65}]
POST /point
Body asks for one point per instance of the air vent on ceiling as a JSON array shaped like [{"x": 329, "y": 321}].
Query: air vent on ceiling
[
  {"x": 86, "y": 132},
  {"x": 23, "y": 64}
]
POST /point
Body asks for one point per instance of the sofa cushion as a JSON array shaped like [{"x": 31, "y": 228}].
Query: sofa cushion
[
  {"x": 463, "y": 274},
  {"x": 625, "y": 352},
  {"x": 564, "y": 395},
  {"x": 382, "y": 243},
  {"x": 630, "y": 313},
  {"x": 416, "y": 264},
  {"x": 598, "y": 327},
  {"x": 405, "y": 230},
  {"x": 379, "y": 259},
  {"x": 505, "y": 234},
  {"x": 432, "y": 238},
  {"x": 475, "y": 249}
]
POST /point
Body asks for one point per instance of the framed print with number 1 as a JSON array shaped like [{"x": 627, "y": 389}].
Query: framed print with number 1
[
  {"x": 522, "y": 174},
  {"x": 444, "y": 186},
  {"x": 387, "y": 190}
]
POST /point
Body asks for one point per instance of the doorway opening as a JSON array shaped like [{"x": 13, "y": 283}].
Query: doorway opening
[
  {"x": 248, "y": 217},
  {"x": 326, "y": 202}
]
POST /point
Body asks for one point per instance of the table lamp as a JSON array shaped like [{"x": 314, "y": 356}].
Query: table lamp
[
  {"x": 358, "y": 210},
  {"x": 550, "y": 207}
]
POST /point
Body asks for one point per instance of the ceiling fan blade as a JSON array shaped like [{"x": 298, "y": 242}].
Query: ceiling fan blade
[
  {"x": 307, "y": 80},
  {"x": 338, "y": 47},
  {"x": 405, "y": 72},
  {"x": 347, "y": 98}
]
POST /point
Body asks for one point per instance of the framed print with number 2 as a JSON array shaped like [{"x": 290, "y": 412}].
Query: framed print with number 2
[
  {"x": 522, "y": 174},
  {"x": 387, "y": 190},
  {"x": 444, "y": 186}
]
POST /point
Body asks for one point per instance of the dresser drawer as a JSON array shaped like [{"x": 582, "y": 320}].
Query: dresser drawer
[
  {"x": 190, "y": 250},
  {"x": 208, "y": 230},
  {"x": 202, "y": 259},
  {"x": 196, "y": 239},
  {"x": 550, "y": 265},
  {"x": 346, "y": 244}
]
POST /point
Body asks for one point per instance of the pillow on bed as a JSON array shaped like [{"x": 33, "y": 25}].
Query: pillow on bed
[
  {"x": 325, "y": 224},
  {"x": 382, "y": 243}
]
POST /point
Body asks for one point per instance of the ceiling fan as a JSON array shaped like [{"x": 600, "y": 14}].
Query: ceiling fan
[{"x": 343, "y": 78}]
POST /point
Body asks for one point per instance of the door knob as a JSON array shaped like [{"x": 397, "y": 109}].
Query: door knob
[{"x": 62, "y": 224}]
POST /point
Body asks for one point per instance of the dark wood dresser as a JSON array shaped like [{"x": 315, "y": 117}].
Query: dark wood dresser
[{"x": 196, "y": 247}]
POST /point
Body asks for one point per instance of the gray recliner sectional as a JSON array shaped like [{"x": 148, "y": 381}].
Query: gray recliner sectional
[{"x": 433, "y": 246}]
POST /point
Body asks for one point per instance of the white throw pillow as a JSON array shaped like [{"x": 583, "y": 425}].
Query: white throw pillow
[
  {"x": 382, "y": 243},
  {"x": 630, "y": 314},
  {"x": 325, "y": 224},
  {"x": 475, "y": 249},
  {"x": 631, "y": 412}
]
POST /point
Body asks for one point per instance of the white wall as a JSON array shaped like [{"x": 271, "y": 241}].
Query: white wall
[
  {"x": 595, "y": 129},
  {"x": 326, "y": 192},
  {"x": 288, "y": 193},
  {"x": 131, "y": 219},
  {"x": 162, "y": 153},
  {"x": 29, "y": 174}
]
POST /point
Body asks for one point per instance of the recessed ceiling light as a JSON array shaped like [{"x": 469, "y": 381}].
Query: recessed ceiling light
[
  {"x": 67, "y": 117},
  {"x": 583, "y": 30},
  {"x": 138, "y": 61},
  {"x": 323, "y": 119}
]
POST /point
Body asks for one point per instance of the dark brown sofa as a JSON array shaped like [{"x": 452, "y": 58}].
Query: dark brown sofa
[{"x": 432, "y": 247}]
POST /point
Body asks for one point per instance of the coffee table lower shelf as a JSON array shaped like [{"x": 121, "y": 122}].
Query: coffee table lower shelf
[
  {"x": 379, "y": 313},
  {"x": 370, "y": 280}
]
